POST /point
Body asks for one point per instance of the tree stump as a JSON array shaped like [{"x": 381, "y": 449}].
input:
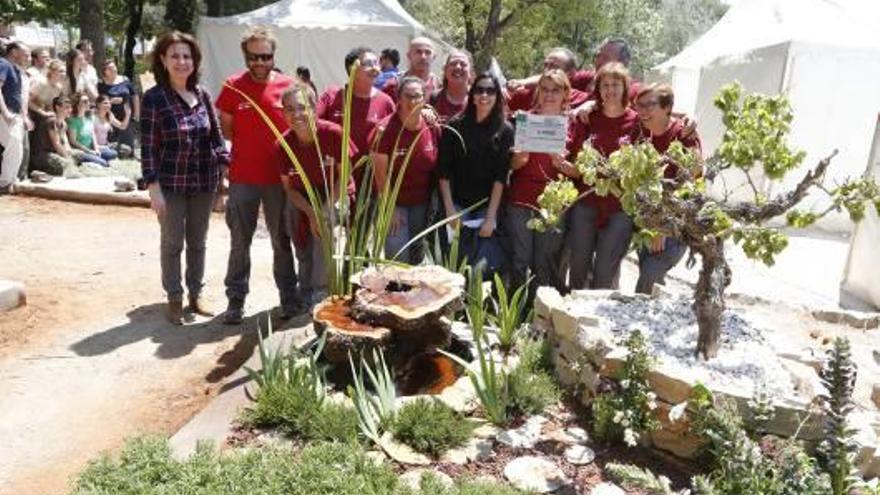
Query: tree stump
[
  {"x": 400, "y": 310},
  {"x": 344, "y": 334}
]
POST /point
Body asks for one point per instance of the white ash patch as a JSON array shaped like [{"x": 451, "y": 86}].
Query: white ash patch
[{"x": 745, "y": 358}]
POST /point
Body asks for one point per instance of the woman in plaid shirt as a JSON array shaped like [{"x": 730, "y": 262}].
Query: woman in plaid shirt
[{"x": 182, "y": 155}]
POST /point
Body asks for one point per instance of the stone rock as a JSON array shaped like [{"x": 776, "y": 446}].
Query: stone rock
[
  {"x": 461, "y": 396},
  {"x": 12, "y": 295},
  {"x": 402, "y": 453},
  {"x": 475, "y": 450},
  {"x": 875, "y": 394},
  {"x": 547, "y": 298},
  {"x": 804, "y": 377},
  {"x": 659, "y": 290},
  {"x": 413, "y": 478},
  {"x": 524, "y": 437},
  {"x": 569, "y": 436},
  {"x": 579, "y": 455},
  {"x": 567, "y": 321},
  {"x": 856, "y": 319},
  {"x": 607, "y": 489},
  {"x": 486, "y": 430},
  {"x": 805, "y": 355},
  {"x": 535, "y": 474}
]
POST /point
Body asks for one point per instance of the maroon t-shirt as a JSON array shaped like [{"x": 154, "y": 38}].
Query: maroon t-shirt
[
  {"x": 661, "y": 142},
  {"x": 329, "y": 141},
  {"x": 446, "y": 109},
  {"x": 607, "y": 135},
  {"x": 524, "y": 98},
  {"x": 529, "y": 181},
  {"x": 365, "y": 114},
  {"x": 418, "y": 176}
]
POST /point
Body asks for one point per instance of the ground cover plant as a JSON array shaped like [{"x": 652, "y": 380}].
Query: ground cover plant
[
  {"x": 145, "y": 466},
  {"x": 430, "y": 427},
  {"x": 755, "y": 141}
]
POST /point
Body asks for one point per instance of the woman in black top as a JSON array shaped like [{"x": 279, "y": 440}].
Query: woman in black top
[{"x": 473, "y": 163}]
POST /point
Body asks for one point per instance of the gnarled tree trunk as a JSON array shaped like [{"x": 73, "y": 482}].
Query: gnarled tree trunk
[{"x": 709, "y": 297}]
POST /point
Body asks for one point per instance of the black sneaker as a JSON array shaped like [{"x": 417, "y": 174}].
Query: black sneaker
[
  {"x": 233, "y": 314},
  {"x": 293, "y": 309}
]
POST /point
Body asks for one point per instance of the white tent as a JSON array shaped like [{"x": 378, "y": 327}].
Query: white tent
[
  {"x": 862, "y": 273},
  {"x": 314, "y": 33},
  {"x": 824, "y": 54}
]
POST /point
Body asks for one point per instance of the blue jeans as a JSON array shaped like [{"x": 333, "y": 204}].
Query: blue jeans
[{"x": 414, "y": 221}]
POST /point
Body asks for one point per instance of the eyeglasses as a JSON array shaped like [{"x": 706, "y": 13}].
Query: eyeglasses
[
  {"x": 413, "y": 96},
  {"x": 647, "y": 105},
  {"x": 370, "y": 62},
  {"x": 264, "y": 57},
  {"x": 484, "y": 90}
]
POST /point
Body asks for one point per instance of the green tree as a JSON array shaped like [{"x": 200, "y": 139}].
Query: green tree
[{"x": 181, "y": 15}]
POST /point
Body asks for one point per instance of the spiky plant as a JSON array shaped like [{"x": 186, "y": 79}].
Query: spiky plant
[{"x": 837, "y": 449}]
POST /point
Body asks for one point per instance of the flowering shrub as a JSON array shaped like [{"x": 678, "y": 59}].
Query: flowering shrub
[{"x": 626, "y": 411}]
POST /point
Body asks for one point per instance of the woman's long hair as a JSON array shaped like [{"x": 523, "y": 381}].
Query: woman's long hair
[
  {"x": 160, "y": 72},
  {"x": 70, "y": 59},
  {"x": 496, "y": 115}
]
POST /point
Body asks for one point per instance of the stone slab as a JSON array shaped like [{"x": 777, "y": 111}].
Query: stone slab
[
  {"x": 12, "y": 295},
  {"x": 93, "y": 190}
]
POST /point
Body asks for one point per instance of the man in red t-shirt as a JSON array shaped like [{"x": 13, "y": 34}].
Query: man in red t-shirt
[
  {"x": 420, "y": 55},
  {"x": 369, "y": 106},
  {"x": 254, "y": 176},
  {"x": 522, "y": 92}
]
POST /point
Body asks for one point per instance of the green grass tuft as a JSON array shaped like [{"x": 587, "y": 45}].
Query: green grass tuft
[
  {"x": 430, "y": 426},
  {"x": 300, "y": 413},
  {"x": 531, "y": 391}
]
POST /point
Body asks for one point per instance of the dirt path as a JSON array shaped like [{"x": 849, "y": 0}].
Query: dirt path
[{"x": 90, "y": 359}]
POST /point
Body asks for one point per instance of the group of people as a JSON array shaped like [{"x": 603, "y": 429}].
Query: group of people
[
  {"x": 447, "y": 140},
  {"x": 58, "y": 115}
]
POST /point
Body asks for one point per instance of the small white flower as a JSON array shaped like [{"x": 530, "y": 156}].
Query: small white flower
[
  {"x": 618, "y": 417},
  {"x": 630, "y": 438},
  {"x": 676, "y": 413},
  {"x": 624, "y": 383}
]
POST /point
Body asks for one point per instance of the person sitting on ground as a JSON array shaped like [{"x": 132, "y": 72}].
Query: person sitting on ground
[
  {"x": 319, "y": 154},
  {"x": 81, "y": 133},
  {"x": 660, "y": 128},
  {"x": 106, "y": 122},
  {"x": 389, "y": 59},
  {"x": 123, "y": 99},
  {"x": 51, "y": 152}
]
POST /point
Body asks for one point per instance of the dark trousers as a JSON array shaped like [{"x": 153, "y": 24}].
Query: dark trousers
[
  {"x": 653, "y": 267},
  {"x": 186, "y": 220},
  {"x": 242, "y": 210},
  {"x": 595, "y": 253},
  {"x": 531, "y": 251}
]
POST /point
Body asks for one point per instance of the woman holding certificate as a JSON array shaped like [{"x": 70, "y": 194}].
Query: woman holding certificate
[
  {"x": 531, "y": 250},
  {"x": 599, "y": 231}
]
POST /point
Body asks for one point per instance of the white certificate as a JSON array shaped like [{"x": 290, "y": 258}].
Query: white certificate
[{"x": 540, "y": 133}]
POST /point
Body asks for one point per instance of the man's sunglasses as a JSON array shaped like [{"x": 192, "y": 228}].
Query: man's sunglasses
[{"x": 254, "y": 57}]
